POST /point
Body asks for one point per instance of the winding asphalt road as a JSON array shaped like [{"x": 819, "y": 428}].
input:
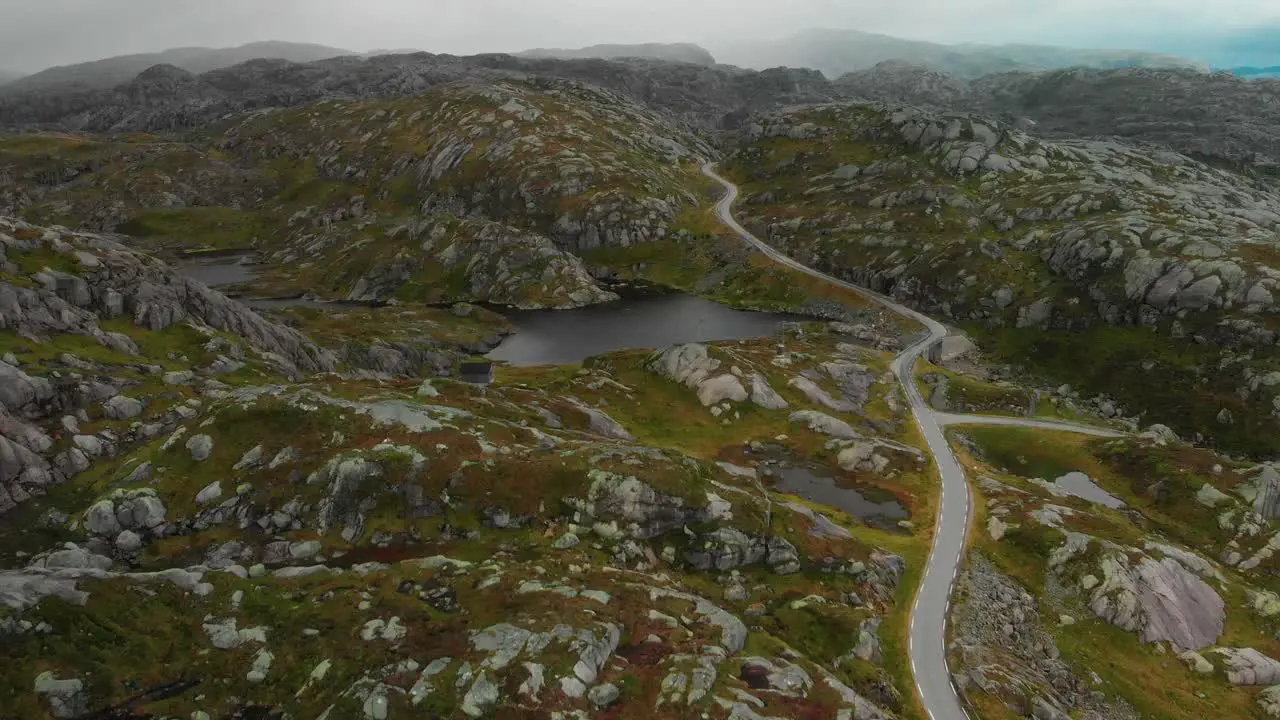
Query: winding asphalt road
[{"x": 929, "y": 615}]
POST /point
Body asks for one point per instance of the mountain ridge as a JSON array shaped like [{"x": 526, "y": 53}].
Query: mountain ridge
[
  {"x": 112, "y": 71},
  {"x": 835, "y": 52},
  {"x": 674, "y": 52}
]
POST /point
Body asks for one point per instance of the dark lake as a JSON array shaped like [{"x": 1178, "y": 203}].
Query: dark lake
[{"x": 561, "y": 337}]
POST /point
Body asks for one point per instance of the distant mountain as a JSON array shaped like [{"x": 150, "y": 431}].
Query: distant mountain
[
  {"x": 114, "y": 71},
  {"x": 836, "y": 52},
  {"x": 673, "y": 52},
  {"x": 8, "y": 77},
  {"x": 398, "y": 51}
]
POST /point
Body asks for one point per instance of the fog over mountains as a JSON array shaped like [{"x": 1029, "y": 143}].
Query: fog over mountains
[{"x": 1254, "y": 52}]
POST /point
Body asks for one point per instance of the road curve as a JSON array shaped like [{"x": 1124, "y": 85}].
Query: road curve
[
  {"x": 927, "y": 643},
  {"x": 928, "y": 635}
]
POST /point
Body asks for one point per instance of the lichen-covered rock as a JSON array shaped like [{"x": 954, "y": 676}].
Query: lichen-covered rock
[
  {"x": 122, "y": 408},
  {"x": 155, "y": 296},
  {"x": 693, "y": 366},
  {"x": 200, "y": 447},
  {"x": 646, "y": 512},
  {"x": 66, "y": 698},
  {"x": 600, "y": 422}
]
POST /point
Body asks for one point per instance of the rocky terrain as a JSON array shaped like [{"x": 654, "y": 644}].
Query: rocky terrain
[
  {"x": 1116, "y": 566},
  {"x": 1218, "y": 118},
  {"x": 166, "y": 97},
  {"x": 1164, "y": 263},
  {"x": 322, "y": 539},
  {"x": 469, "y": 192},
  {"x": 335, "y": 527}
]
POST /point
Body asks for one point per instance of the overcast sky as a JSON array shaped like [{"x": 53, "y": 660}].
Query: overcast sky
[{"x": 38, "y": 33}]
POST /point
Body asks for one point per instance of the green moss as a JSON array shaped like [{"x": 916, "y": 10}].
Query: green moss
[
  {"x": 1175, "y": 382},
  {"x": 216, "y": 227},
  {"x": 1031, "y": 452}
]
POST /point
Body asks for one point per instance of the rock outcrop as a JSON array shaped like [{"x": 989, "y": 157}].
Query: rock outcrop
[
  {"x": 111, "y": 281},
  {"x": 1162, "y": 600}
]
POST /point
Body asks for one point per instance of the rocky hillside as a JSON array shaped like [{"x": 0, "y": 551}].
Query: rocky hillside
[
  {"x": 1117, "y": 579},
  {"x": 470, "y": 191},
  {"x": 167, "y": 97},
  {"x": 1135, "y": 271},
  {"x": 1165, "y": 106},
  {"x": 607, "y": 540},
  {"x": 1218, "y": 118}
]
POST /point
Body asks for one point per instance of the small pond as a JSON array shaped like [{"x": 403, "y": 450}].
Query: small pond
[
  {"x": 227, "y": 270},
  {"x": 561, "y": 337},
  {"x": 813, "y": 484},
  {"x": 1077, "y": 484}
]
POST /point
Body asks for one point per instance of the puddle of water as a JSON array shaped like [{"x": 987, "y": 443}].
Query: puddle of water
[
  {"x": 226, "y": 271},
  {"x": 1077, "y": 484},
  {"x": 561, "y": 337},
  {"x": 811, "y": 485}
]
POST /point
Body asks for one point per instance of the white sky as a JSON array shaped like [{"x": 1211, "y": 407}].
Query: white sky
[{"x": 38, "y": 33}]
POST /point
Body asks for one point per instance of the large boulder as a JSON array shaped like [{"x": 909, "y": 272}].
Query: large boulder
[
  {"x": 720, "y": 388},
  {"x": 121, "y": 407},
  {"x": 688, "y": 364},
  {"x": 600, "y": 423},
  {"x": 100, "y": 519},
  {"x": 1159, "y": 599},
  {"x": 825, "y": 424},
  {"x": 693, "y": 366},
  {"x": 1246, "y": 666},
  {"x": 140, "y": 510},
  {"x": 764, "y": 395},
  {"x": 951, "y": 348},
  {"x": 1263, "y": 491},
  {"x": 645, "y": 512},
  {"x": 19, "y": 391}
]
